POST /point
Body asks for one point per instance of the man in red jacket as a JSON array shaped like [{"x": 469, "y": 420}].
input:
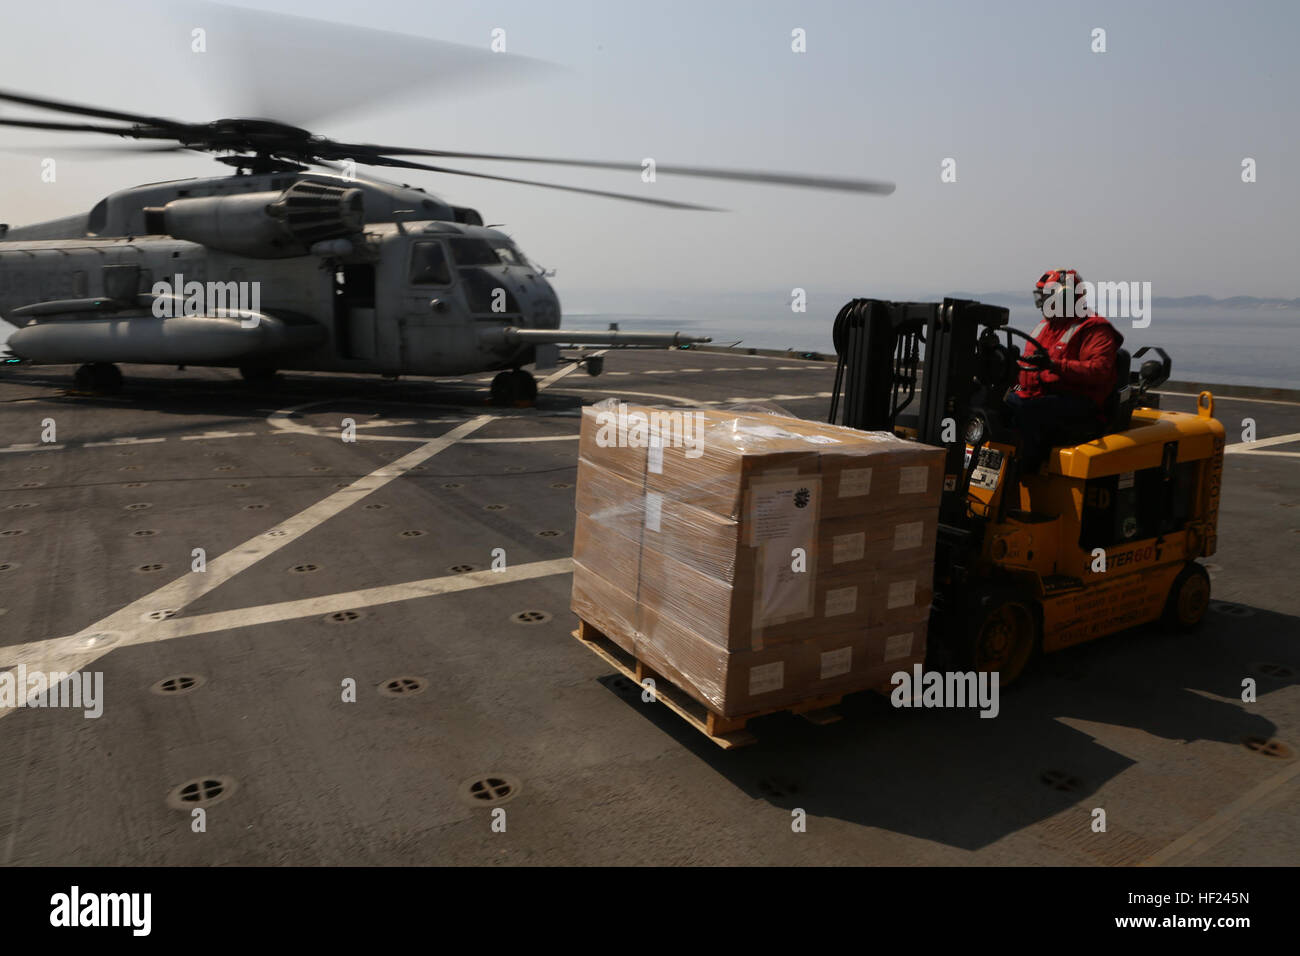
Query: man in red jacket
[{"x": 1075, "y": 374}]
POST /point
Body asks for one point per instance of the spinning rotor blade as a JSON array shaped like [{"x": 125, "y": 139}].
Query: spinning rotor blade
[
  {"x": 670, "y": 204},
  {"x": 701, "y": 172},
  {"x": 59, "y": 106}
]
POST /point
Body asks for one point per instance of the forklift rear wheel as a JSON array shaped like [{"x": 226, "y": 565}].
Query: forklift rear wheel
[
  {"x": 1002, "y": 636},
  {"x": 1189, "y": 599}
]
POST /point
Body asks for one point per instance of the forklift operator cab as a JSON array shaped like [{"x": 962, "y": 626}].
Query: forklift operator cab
[{"x": 1103, "y": 537}]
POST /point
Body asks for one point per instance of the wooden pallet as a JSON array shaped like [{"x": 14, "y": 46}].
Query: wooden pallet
[{"x": 726, "y": 732}]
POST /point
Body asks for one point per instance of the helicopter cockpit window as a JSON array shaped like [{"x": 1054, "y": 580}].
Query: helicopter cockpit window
[
  {"x": 429, "y": 264},
  {"x": 507, "y": 252},
  {"x": 474, "y": 252}
]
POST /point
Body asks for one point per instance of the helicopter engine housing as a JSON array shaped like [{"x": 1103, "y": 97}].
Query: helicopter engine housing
[{"x": 263, "y": 225}]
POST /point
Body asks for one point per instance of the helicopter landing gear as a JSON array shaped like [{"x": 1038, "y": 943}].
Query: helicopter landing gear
[
  {"x": 514, "y": 387},
  {"x": 102, "y": 377},
  {"x": 257, "y": 374}
]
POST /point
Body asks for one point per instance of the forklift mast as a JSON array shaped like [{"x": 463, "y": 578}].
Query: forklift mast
[{"x": 877, "y": 377}]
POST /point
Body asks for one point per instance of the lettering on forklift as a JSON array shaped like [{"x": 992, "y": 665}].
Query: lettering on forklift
[
  {"x": 946, "y": 689},
  {"x": 1142, "y": 554}
]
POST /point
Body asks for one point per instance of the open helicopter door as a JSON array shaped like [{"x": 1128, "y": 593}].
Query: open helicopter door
[{"x": 355, "y": 324}]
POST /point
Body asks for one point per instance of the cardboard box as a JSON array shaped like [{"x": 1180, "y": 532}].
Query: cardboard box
[
  {"x": 607, "y": 607},
  {"x": 616, "y": 558},
  {"x": 866, "y": 543},
  {"x": 610, "y": 500}
]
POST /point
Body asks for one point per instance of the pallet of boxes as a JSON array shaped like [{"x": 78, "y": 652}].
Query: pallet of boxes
[{"x": 750, "y": 563}]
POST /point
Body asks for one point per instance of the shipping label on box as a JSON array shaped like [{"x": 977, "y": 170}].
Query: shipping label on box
[{"x": 837, "y": 662}]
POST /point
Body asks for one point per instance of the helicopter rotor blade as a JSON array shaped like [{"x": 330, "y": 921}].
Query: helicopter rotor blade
[
  {"x": 79, "y": 128},
  {"x": 60, "y": 106},
  {"x": 840, "y": 184},
  {"x": 667, "y": 203}
]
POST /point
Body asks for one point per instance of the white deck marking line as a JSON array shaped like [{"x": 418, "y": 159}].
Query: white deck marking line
[
  {"x": 1209, "y": 832},
  {"x": 127, "y": 626},
  {"x": 1230, "y": 398},
  {"x": 32, "y": 446},
  {"x": 216, "y": 435},
  {"x": 115, "y": 442},
  {"x": 556, "y": 376},
  {"x": 1271, "y": 454},
  {"x": 1247, "y": 446},
  {"x": 54, "y": 651}
]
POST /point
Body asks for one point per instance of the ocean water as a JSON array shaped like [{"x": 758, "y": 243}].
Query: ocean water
[{"x": 1233, "y": 346}]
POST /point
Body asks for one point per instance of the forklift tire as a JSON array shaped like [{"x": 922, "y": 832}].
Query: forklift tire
[
  {"x": 999, "y": 634},
  {"x": 1189, "y": 599}
]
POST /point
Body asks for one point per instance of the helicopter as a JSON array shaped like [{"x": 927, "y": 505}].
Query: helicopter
[{"x": 297, "y": 263}]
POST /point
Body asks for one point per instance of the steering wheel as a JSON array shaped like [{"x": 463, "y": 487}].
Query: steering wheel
[{"x": 1020, "y": 363}]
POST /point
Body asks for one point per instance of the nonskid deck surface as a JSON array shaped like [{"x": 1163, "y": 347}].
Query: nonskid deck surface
[{"x": 369, "y": 561}]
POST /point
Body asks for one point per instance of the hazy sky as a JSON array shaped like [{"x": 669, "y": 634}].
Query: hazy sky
[{"x": 1125, "y": 164}]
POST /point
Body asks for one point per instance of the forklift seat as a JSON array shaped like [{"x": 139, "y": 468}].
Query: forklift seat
[{"x": 1117, "y": 411}]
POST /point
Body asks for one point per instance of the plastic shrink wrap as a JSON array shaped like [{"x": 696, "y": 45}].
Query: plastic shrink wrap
[{"x": 755, "y": 560}]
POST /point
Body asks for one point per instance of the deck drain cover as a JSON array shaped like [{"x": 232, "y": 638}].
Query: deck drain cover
[
  {"x": 21, "y": 505},
  {"x": 530, "y": 617},
  {"x": 151, "y": 567},
  {"x": 98, "y": 639},
  {"x": 515, "y": 468},
  {"x": 1231, "y": 610},
  {"x": 1268, "y": 748},
  {"x": 180, "y": 684},
  {"x": 138, "y": 506},
  {"x": 1060, "y": 780},
  {"x": 136, "y": 484},
  {"x": 201, "y": 792},
  {"x": 224, "y": 468},
  {"x": 237, "y": 484},
  {"x": 304, "y": 568},
  {"x": 320, "y": 468},
  {"x": 460, "y": 568},
  {"x": 403, "y": 686},
  {"x": 277, "y": 533},
  {"x": 12, "y": 532},
  {"x": 375, "y": 507},
  {"x": 494, "y": 507},
  {"x": 561, "y": 484},
  {"x": 254, "y": 507},
  {"x": 8, "y": 565},
  {"x": 490, "y": 790},
  {"x": 451, "y": 484},
  {"x": 549, "y": 534},
  {"x": 32, "y": 484},
  {"x": 160, "y": 615},
  {"x": 130, "y": 468},
  {"x": 342, "y": 617},
  {"x": 1275, "y": 671},
  {"x": 412, "y": 534},
  {"x": 143, "y": 533}
]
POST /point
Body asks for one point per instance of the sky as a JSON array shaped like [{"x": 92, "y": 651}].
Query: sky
[{"x": 1126, "y": 165}]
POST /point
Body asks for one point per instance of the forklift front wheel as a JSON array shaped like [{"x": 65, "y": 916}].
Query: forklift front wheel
[
  {"x": 1189, "y": 599},
  {"x": 1002, "y": 636}
]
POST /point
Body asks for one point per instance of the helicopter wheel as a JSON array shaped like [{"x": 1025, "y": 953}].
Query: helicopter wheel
[
  {"x": 102, "y": 377},
  {"x": 513, "y": 388}
]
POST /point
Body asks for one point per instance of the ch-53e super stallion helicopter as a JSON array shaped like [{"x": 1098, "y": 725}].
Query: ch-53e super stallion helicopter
[{"x": 281, "y": 267}]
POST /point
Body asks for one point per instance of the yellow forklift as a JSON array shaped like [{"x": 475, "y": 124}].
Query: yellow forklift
[{"x": 1102, "y": 538}]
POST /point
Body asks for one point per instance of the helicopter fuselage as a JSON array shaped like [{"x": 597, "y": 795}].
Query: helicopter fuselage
[{"x": 423, "y": 297}]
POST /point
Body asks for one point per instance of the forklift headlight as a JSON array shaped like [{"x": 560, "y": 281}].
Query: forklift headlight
[{"x": 975, "y": 431}]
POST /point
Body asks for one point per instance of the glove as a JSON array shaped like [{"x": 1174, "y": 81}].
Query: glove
[{"x": 1039, "y": 360}]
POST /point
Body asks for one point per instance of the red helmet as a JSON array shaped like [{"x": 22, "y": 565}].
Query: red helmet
[{"x": 1052, "y": 280}]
